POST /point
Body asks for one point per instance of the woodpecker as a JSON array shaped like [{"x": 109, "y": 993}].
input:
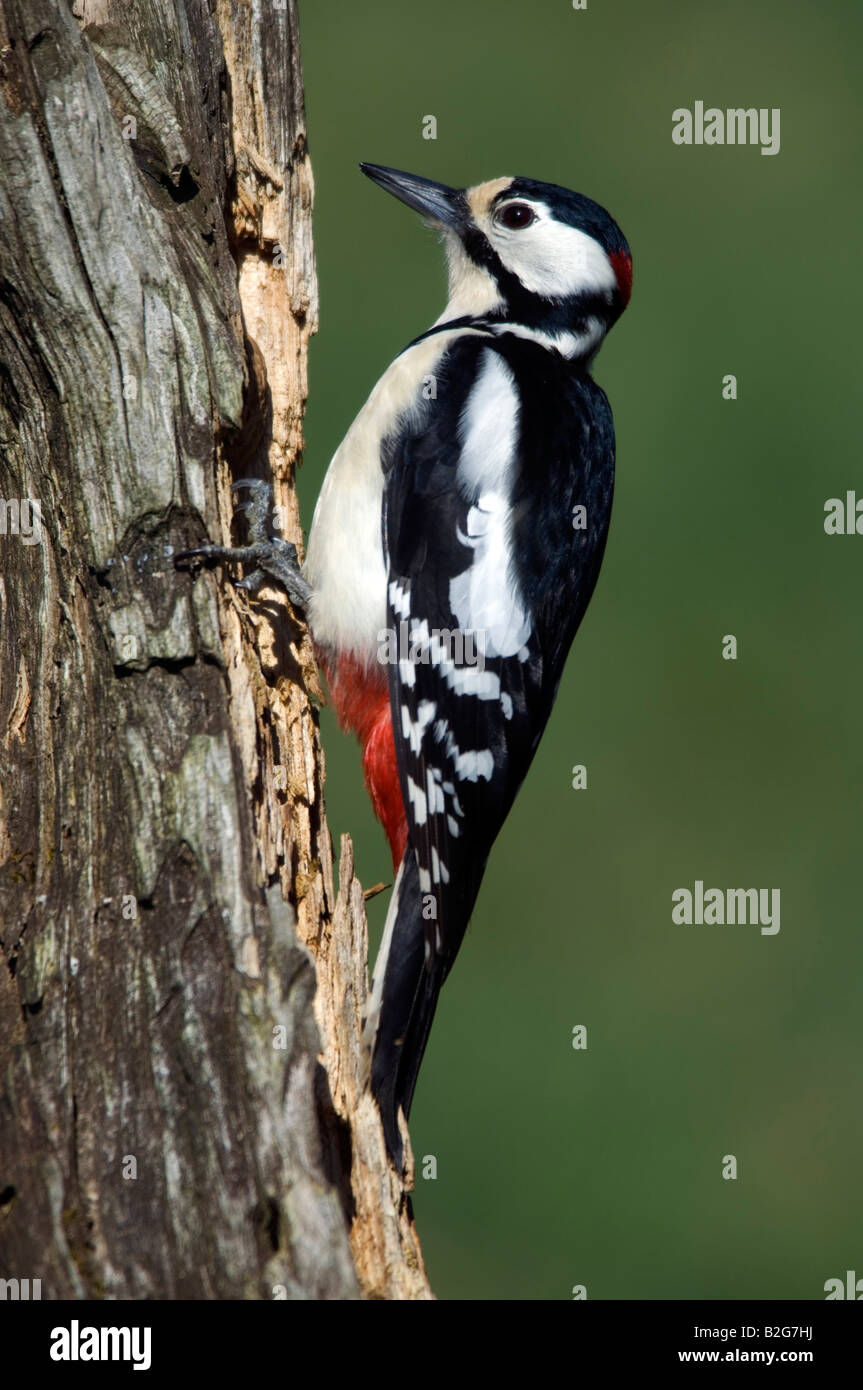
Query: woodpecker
[{"x": 455, "y": 546}]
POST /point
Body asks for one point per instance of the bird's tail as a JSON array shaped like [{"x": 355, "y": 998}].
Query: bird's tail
[{"x": 402, "y": 1005}]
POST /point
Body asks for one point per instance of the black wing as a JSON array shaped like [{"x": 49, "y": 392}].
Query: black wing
[{"x": 489, "y": 574}]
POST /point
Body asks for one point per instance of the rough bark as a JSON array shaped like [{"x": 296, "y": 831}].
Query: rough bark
[{"x": 183, "y": 1100}]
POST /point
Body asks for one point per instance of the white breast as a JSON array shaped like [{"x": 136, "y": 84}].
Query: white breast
[{"x": 345, "y": 557}]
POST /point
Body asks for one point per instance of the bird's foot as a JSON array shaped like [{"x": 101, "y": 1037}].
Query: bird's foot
[{"x": 272, "y": 557}]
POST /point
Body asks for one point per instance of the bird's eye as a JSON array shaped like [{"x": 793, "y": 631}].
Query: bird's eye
[{"x": 514, "y": 216}]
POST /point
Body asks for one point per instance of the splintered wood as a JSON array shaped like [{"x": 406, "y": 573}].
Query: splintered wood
[{"x": 271, "y": 214}]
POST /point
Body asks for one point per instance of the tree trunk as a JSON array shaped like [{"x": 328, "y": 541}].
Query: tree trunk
[{"x": 184, "y": 1110}]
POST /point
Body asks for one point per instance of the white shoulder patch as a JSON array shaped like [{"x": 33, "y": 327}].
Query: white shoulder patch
[
  {"x": 485, "y": 597},
  {"x": 488, "y": 429}
]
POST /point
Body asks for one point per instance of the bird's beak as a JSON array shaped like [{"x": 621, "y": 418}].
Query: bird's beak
[{"x": 445, "y": 205}]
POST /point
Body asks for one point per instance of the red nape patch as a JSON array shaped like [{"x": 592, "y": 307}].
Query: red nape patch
[
  {"x": 361, "y": 699},
  {"x": 621, "y": 264}
]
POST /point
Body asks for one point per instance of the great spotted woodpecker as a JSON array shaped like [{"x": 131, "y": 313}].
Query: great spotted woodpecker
[{"x": 455, "y": 546}]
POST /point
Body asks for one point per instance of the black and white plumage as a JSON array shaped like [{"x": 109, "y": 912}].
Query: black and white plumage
[{"x": 451, "y": 519}]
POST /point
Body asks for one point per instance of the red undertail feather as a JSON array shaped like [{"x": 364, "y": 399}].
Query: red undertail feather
[{"x": 361, "y": 699}]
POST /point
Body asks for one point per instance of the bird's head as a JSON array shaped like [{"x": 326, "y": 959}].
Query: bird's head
[{"x": 530, "y": 255}]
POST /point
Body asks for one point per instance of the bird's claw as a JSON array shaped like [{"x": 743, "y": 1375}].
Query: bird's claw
[
  {"x": 272, "y": 557},
  {"x": 256, "y": 507}
]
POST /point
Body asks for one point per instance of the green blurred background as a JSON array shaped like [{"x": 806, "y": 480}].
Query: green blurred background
[{"x": 603, "y": 1167}]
